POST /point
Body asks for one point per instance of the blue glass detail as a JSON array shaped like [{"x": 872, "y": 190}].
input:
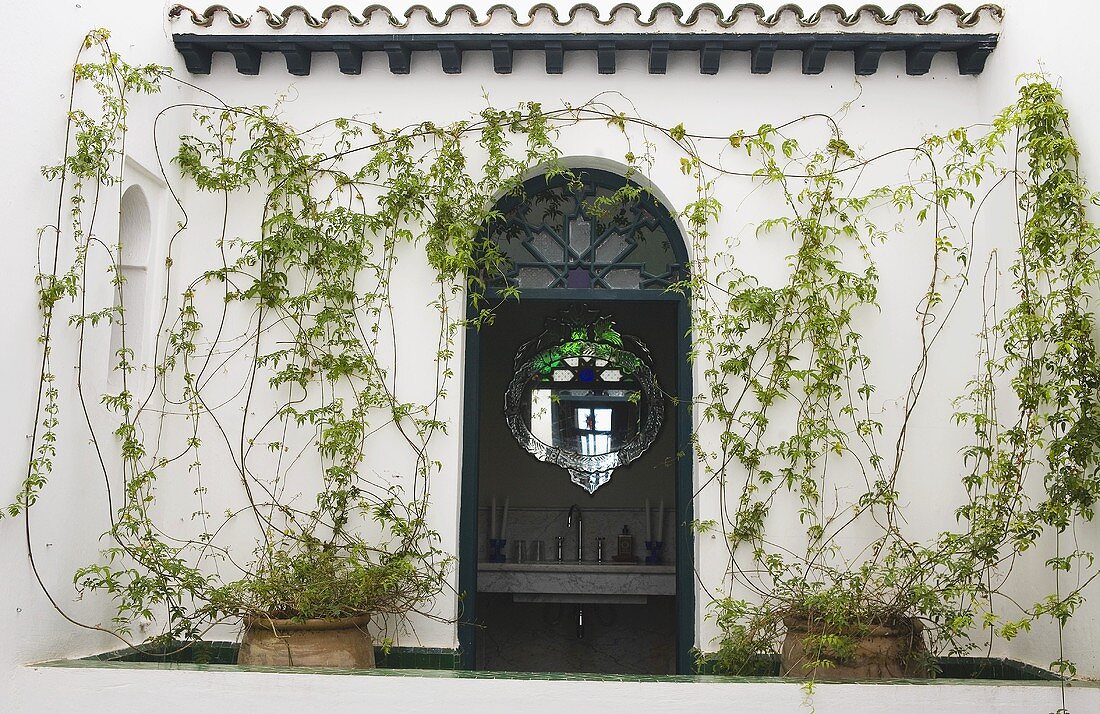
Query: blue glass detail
[
  {"x": 578, "y": 278},
  {"x": 587, "y": 375}
]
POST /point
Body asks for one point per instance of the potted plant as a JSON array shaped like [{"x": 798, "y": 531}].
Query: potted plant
[
  {"x": 840, "y": 631},
  {"x": 310, "y": 603},
  {"x": 845, "y": 628}
]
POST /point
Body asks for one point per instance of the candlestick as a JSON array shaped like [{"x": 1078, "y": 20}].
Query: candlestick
[
  {"x": 648, "y": 528},
  {"x": 504, "y": 522},
  {"x": 493, "y": 519},
  {"x": 661, "y": 521}
]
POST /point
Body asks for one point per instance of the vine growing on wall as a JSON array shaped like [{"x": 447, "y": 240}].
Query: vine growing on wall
[
  {"x": 277, "y": 388},
  {"x": 788, "y": 385},
  {"x": 318, "y": 350}
]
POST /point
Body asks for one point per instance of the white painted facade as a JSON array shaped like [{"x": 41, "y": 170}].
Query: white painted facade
[
  {"x": 886, "y": 110},
  {"x": 47, "y": 689}
]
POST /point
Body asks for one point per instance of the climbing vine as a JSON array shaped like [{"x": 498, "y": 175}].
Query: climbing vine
[
  {"x": 273, "y": 387},
  {"x": 795, "y": 350}
]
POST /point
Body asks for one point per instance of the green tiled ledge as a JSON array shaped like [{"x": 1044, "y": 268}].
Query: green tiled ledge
[
  {"x": 967, "y": 668},
  {"x": 225, "y": 653},
  {"x": 93, "y": 663},
  {"x": 435, "y": 662},
  {"x": 174, "y": 653},
  {"x": 418, "y": 658}
]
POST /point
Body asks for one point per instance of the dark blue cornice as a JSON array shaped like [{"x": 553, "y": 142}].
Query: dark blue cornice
[{"x": 971, "y": 50}]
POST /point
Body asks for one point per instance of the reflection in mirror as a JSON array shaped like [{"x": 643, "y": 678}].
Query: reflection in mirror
[{"x": 588, "y": 402}]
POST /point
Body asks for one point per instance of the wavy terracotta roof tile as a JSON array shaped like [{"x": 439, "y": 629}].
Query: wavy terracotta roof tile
[
  {"x": 744, "y": 17},
  {"x": 864, "y": 34}
]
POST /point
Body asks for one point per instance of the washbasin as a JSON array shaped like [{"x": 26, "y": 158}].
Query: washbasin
[
  {"x": 573, "y": 566},
  {"x": 570, "y": 581}
]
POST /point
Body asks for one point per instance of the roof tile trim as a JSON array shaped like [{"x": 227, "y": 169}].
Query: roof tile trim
[{"x": 873, "y": 14}]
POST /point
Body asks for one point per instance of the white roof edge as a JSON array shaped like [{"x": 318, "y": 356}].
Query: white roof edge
[{"x": 744, "y": 18}]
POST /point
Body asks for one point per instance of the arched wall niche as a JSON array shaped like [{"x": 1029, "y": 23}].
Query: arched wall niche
[
  {"x": 135, "y": 242},
  {"x": 135, "y": 225}
]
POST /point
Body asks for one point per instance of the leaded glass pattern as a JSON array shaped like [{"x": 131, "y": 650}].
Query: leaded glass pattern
[{"x": 558, "y": 234}]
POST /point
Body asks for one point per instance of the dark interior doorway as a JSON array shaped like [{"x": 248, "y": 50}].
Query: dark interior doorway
[{"x": 559, "y": 253}]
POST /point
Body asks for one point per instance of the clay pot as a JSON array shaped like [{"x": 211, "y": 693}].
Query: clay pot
[
  {"x": 342, "y": 643},
  {"x": 893, "y": 651}
]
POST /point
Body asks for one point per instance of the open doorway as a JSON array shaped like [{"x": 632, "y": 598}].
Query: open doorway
[{"x": 580, "y": 569}]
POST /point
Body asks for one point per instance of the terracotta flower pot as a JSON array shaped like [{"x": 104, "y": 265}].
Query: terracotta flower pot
[
  {"x": 894, "y": 651},
  {"x": 343, "y": 643}
]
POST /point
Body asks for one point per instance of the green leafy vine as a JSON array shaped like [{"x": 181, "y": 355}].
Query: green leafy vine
[{"x": 790, "y": 433}]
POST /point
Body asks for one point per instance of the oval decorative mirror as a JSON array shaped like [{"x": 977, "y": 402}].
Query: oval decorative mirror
[{"x": 584, "y": 397}]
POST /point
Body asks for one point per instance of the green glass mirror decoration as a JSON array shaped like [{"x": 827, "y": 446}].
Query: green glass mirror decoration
[{"x": 584, "y": 397}]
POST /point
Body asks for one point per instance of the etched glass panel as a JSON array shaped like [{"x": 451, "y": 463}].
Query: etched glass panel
[
  {"x": 624, "y": 278},
  {"x": 548, "y": 248},
  {"x": 612, "y": 247},
  {"x": 580, "y": 236},
  {"x": 535, "y": 277}
]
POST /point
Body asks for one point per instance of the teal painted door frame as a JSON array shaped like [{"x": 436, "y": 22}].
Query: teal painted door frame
[{"x": 685, "y": 537}]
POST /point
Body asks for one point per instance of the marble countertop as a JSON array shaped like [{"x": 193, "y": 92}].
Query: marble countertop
[
  {"x": 575, "y": 567},
  {"x": 573, "y": 578}
]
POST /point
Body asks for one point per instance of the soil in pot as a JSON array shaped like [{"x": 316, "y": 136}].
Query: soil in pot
[
  {"x": 885, "y": 651},
  {"x": 343, "y": 643}
]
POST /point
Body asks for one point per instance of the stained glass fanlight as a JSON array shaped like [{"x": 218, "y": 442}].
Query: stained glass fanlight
[{"x": 579, "y": 231}]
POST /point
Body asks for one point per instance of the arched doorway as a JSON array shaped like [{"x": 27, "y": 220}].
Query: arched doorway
[{"x": 595, "y": 243}]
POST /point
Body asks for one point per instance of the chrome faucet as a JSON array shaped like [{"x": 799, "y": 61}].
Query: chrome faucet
[{"x": 580, "y": 530}]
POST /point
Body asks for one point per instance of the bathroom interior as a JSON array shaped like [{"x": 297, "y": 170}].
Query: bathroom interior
[{"x": 576, "y": 568}]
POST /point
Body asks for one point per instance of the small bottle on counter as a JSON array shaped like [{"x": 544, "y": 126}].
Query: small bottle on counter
[{"x": 625, "y": 550}]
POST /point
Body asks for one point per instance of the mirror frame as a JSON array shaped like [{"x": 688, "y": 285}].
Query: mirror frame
[{"x": 597, "y": 337}]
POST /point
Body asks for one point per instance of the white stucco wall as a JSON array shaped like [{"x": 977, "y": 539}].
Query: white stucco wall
[
  {"x": 47, "y": 689},
  {"x": 66, "y": 524},
  {"x": 889, "y": 109}
]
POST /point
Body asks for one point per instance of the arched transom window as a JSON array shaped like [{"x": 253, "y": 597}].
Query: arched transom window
[{"x": 578, "y": 232}]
